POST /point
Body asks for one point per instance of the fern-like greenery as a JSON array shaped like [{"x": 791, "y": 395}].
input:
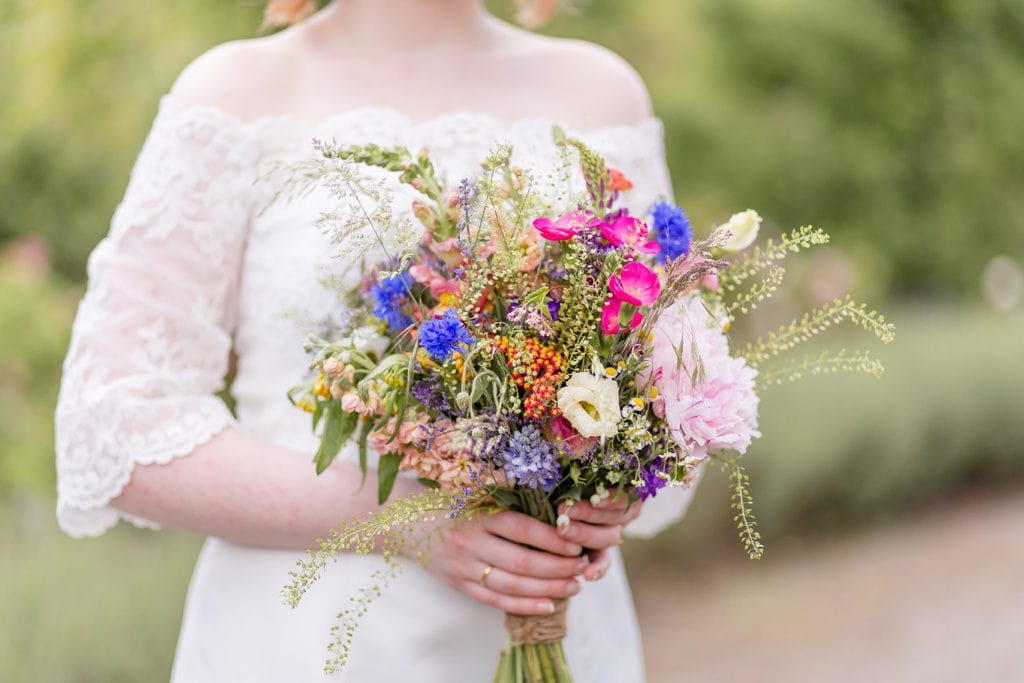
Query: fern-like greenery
[
  {"x": 822, "y": 363},
  {"x": 389, "y": 531},
  {"x": 746, "y": 524},
  {"x": 814, "y": 323},
  {"x": 764, "y": 257},
  {"x": 758, "y": 292}
]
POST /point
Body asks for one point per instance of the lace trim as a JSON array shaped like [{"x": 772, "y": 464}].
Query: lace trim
[
  {"x": 91, "y": 515},
  {"x": 441, "y": 125}
]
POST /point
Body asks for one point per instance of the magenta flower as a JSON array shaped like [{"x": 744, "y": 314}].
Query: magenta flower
[
  {"x": 611, "y": 317},
  {"x": 630, "y": 232},
  {"x": 565, "y": 228},
  {"x": 636, "y": 284}
]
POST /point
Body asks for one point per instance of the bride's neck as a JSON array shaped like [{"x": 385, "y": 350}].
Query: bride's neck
[{"x": 369, "y": 26}]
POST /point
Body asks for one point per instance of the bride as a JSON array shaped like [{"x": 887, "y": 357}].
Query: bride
[{"x": 192, "y": 269}]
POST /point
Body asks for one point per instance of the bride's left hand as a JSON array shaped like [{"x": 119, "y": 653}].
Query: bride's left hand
[{"x": 599, "y": 528}]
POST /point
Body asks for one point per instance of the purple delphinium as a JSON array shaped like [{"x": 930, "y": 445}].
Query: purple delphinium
[
  {"x": 673, "y": 230},
  {"x": 530, "y": 460},
  {"x": 442, "y": 335},
  {"x": 389, "y": 295}
]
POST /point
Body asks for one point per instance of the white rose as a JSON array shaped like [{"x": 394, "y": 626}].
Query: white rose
[
  {"x": 744, "y": 227},
  {"x": 591, "y": 404}
]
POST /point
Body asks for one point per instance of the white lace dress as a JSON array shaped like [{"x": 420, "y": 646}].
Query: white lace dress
[{"x": 192, "y": 269}]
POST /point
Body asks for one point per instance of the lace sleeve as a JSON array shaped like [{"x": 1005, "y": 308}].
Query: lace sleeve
[
  {"x": 151, "y": 340},
  {"x": 639, "y": 152}
]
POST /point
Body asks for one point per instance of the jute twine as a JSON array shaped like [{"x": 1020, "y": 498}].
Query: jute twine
[{"x": 535, "y": 630}]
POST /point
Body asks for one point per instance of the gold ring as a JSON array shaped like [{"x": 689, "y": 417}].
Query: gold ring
[{"x": 487, "y": 572}]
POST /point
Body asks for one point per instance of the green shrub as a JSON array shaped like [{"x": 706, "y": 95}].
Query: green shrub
[{"x": 35, "y": 318}]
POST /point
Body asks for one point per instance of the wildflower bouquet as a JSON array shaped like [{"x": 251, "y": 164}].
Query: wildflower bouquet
[{"x": 516, "y": 353}]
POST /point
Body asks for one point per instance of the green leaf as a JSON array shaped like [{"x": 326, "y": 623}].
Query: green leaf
[
  {"x": 318, "y": 413},
  {"x": 387, "y": 471},
  {"x": 430, "y": 484},
  {"x": 505, "y": 498},
  {"x": 338, "y": 426},
  {"x": 364, "y": 433}
]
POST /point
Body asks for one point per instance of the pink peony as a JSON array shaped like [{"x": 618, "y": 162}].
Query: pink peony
[
  {"x": 718, "y": 409},
  {"x": 627, "y": 231}
]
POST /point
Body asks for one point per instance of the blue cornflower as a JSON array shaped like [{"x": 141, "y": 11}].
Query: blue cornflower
[
  {"x": 530, "y": 460},
  {"x": 442, "y": 335},
  {"x": 389, "y": 294},
  {"x": 673, "y": 229}
]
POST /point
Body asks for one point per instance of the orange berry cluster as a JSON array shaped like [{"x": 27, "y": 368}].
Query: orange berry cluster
[{"x": 537, "y": 368}]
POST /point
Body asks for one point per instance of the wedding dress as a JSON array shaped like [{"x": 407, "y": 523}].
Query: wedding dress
[{"x": 194, "y": 267}]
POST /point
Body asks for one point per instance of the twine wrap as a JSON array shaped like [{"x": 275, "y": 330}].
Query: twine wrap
[{"x": 537, "y": 630}]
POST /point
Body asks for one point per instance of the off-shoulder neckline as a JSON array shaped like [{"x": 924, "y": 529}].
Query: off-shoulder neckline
[{"x": 444, "y": 120}]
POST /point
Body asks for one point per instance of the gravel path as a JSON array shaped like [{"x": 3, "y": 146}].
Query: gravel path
[{"x": 937, "y": 599}]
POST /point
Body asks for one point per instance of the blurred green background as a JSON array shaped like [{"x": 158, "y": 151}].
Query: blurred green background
[{"x": 896, "y": 125}]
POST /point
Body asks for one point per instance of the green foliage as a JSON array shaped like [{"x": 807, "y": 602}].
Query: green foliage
[
  {"x": 396, "y": 532},
  {"x": 746, "y": 524},
  {"x": 35, "y": 316},
  {"x": 80, "y": 85},
  {"x": 105, "y": 610},
  {"x": 814, "y": 323}
]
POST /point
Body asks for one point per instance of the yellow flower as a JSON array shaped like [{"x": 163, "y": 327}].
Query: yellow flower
[
  {"x": 654, "y": 392},
  {"x": 610, "y": 371},
  {"x": 638, "y": 402},
  {"x": 425, "y": 361},
  {"x": 320, "y": 388}
]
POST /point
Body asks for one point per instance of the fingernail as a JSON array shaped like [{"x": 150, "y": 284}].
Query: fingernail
[
  {"x": 562, "y": 521},
  {"x": 573, "y": 588},
  {"x": 548, "y": 607},
  {"x": 574, "y": 549},
  {"x": 582, "y": 565}
]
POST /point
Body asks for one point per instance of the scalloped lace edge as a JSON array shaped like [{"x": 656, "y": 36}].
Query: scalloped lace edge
[{"x": 80, "y": 521}]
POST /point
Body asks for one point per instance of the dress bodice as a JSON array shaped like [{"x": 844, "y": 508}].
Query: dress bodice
[{"x": 199, "y": 260}]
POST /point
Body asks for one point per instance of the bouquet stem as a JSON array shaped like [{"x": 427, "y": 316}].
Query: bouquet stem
[{"x": 534, "y": 653}]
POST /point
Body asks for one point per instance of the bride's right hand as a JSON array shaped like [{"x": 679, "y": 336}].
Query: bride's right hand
[{"x": 521, "y": 580}]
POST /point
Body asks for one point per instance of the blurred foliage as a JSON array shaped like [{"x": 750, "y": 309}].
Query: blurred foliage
[
  {"x": 35, "y": 317},
  {"x": 103, "y": 611}
]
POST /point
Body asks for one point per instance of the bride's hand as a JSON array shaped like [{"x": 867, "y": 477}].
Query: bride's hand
[
  {"x": 599, "y": 528},
  {"x": 522, "y": 580}
]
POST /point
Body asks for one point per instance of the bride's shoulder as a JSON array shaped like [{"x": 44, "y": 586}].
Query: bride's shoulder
[
  {"x": 241, "y": 78},
  {"x": 577, "y": 66}
]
